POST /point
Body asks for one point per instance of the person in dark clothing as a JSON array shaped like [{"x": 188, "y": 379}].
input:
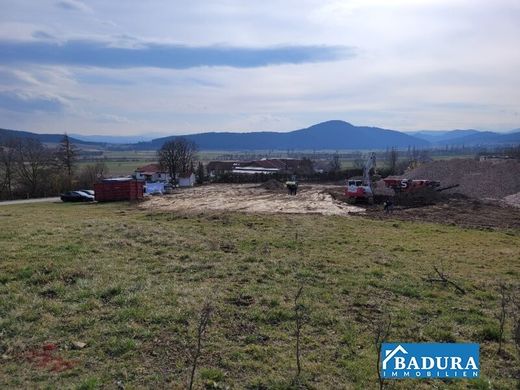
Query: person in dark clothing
[{"x": 388, "y": 206}]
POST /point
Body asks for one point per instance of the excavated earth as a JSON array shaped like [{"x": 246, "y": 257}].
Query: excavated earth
[
  {"x": 487, "y": 197},
  {"x": 267, "y": 198}
]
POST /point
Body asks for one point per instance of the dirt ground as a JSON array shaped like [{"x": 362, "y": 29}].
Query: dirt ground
[
  {"x": 455, "y": 210},
  {"x": 252, "y": 198},
  {"x": 461, "y": 212}
]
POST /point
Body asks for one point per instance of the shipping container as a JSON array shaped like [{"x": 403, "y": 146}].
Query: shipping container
[{"x": 118, "y": 189}]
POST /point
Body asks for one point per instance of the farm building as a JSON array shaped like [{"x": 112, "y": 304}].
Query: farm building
[
  {"x": 187, "y": 179},
  {"x": 118, "y": 189},
  {"x": 151, "y": 173},
  {"x": 264, "y": 166}
]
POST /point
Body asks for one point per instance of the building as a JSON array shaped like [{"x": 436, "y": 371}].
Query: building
[
  {"x": 217, "y": 168},
  {"x": 262, "y": 166},
  {"x": 152, "y": 173},
  {"x": 187, "y": 179}
]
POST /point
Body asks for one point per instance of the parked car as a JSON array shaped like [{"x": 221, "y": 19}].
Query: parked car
[
  {"x": 90, "y": 192},
  {"x": 76, "y": 196}
]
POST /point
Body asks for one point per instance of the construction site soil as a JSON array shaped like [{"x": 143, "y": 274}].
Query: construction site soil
[
  {"x": 487, "y": 196},
  {"x": 476, "y": 179},
  {"x": 469, "y": 213},
  {"x": 252, "y": 198},
  {"x": 456, "y": 210}
]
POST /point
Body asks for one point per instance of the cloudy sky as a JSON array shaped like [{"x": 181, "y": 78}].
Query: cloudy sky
[{"x": 177, "y": 67}]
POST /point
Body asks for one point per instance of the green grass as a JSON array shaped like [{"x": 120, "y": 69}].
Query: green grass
[{"x": 130, "y": 285}]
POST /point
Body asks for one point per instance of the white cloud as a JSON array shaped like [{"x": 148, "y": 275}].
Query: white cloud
[{"x": 420, "y": 64}]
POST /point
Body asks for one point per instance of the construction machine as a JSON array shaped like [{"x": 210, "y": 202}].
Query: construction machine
[
  {"x": 361, "y": 190},
  {"x": 409, "y": 185},
  {"x": 292, "y": 185}
]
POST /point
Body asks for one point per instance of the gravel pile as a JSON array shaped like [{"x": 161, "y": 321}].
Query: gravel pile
[
  {"x": 513, "y": 200},
  {"x": 476, "y": 179}
]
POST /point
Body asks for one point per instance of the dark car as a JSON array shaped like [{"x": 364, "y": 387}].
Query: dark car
[
  {"x": 89, "y": 192},
  {"x": 76, "y": 196}
]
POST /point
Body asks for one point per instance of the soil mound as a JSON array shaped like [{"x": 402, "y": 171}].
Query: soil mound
[
  {"x": 476, "y": 179},
  {"x": 273, "y": 185}
]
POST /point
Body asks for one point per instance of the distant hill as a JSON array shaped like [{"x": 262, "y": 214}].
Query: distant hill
[
  {"x": 441, "y": 136},
  {"x": 485, "y": 138},
  {"x": 468, "y": 137},
  {"x": 6, "y": 134},
  {"x": 115, "y": 139},
  {"x": 330, "y": 135}
]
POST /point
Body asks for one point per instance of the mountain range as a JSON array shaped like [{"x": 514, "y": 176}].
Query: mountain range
[{"x": 330, "y": 135}]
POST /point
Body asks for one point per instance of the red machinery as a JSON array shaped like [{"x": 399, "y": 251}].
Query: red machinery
[
  {"x": 409, "y": 185},
  {"x": 362, "y": 189}
]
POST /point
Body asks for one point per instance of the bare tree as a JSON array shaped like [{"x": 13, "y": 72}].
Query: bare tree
[
  {"x": 176, "y": 156},
  {"x": 187, "y": 150},
  {"x": 515, "y": 316},
  {"x": 67, "y": 158},
  {"x": 502, "y": 314},
  {"x": 92, "y": 173},
  {"x": 335, "y": 163},
  {"x": 7, "y": 167},
  {"x": 381, "y": 331},
  {"x": 204, "y": 318},
  {"x": 393, "y": 157},
  {"x": 299, "y": 319},
  {"x": 33, "y": 163},
  {"x": 169, "y": 158}
]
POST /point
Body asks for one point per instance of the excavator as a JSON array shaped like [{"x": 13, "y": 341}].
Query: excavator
[{"x": 361, "y": 190}]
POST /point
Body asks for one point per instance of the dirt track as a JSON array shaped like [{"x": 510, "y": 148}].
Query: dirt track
[{"x": 251, "y": 198}]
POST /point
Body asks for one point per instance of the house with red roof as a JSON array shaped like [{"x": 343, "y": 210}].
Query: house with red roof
[{"x": 152, "y": 173}]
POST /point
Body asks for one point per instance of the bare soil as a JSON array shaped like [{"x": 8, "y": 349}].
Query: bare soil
[
  {"x": 253, "y": 198},
  {"x": 475, "y": 179},
  {"x": 469, "y": 213},
  {"x": 449, "y": 209}
]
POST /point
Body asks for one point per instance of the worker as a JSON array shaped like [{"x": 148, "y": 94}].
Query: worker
[{"x": 388, "y": 206}]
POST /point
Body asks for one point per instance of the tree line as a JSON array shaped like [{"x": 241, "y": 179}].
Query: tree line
[{"x": 29, "y": 169}]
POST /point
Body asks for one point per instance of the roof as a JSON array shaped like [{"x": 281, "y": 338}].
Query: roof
[
  {"x": 117, "y": 179},
  {"x": 150, "y": 169},
  {"x": 225, "y": 165},
  {"x": 281, "y": 164}
]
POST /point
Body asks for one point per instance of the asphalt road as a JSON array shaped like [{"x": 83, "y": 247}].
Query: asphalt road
[{"x": 22, "y": 201}]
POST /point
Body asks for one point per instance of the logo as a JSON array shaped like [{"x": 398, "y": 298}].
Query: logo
[{"x": 430, "y": 360}]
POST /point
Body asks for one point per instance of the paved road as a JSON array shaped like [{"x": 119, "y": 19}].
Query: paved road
[{"x": 36, "y": 200}]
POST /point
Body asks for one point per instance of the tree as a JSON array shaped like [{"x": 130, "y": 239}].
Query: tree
[
  {"x": 335, "y": 164},
  {"x": 204, "y": 319},
  {"x": 200, "y": 173},
  {"x": 7, "y": 167},
  {"x": 393, "y": 156},
  {"x": 176, "y": 156},
  {"x": 33, "y": 162},
  {"x": 67, "y": 157},
  {"x": 187, "y": 150},
  {"x": 92, "y": 173}
]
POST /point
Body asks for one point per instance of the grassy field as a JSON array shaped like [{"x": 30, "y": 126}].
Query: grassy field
[{"x": 130, "y": 284}]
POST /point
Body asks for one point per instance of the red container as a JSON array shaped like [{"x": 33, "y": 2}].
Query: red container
[{"x": 118, "y": 189}]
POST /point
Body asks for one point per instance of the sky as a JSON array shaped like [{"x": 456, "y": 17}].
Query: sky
[{"x": 178, "y": 67}]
